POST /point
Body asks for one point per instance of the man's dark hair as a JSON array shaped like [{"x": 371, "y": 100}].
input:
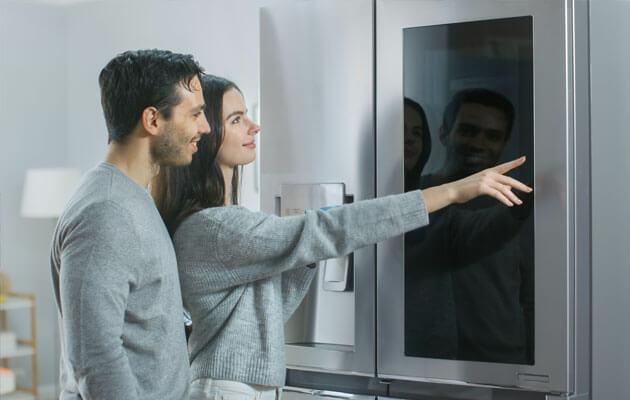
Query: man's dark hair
[
  {"x": 484, "y": 97},
  {"x": 135, "y": 80}
]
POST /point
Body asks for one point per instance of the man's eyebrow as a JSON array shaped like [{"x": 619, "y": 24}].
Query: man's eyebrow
[
  {"x": 199, "y": 108},
  {"x": 233, "y": 113}
]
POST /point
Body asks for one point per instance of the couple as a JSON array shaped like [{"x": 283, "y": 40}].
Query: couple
[{"x": 117, "y": 274}]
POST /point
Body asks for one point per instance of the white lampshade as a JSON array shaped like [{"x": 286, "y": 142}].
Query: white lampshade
[{"x": 47, "y": 190}]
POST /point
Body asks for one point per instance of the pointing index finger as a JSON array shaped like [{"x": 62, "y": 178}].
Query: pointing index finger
[{"x": 505, "y": 167}]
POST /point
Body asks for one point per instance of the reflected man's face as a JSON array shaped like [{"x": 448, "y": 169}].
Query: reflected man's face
[{"x": 477, "y": 139}]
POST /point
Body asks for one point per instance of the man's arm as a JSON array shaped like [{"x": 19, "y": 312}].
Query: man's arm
[{"x": 97, "y": 271}]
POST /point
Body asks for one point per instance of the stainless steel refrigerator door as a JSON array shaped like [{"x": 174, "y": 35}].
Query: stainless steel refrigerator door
[
  {"x": 317, "y": 118},
  {"x": 552, "y": 143}
]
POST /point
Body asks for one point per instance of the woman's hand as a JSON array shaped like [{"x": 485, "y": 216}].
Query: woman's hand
[{"x": 491, "y": 182}]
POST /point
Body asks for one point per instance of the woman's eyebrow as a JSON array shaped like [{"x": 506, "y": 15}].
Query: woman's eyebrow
[{"x": 233, "y": 113}]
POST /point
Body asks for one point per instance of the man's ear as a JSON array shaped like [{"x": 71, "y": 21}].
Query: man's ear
[
  {"x": 150, "y": 120},
  {"x": 443, "y": 136}
]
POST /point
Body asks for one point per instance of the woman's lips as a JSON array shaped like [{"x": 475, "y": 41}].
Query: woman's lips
[{"x": 251, "y": 145}]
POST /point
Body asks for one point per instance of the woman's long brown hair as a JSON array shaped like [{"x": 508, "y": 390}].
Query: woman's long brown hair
[{"x": 181, "y": 191}]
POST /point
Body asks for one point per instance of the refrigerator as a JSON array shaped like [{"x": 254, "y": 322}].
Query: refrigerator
[{"x": 369, "y": 98}]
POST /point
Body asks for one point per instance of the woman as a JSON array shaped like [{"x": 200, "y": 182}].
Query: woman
[
  {"x": 417, "y": 143},
  {"x": 243, "y": 273}
]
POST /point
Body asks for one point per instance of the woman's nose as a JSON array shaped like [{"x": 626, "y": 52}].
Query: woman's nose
[{"x": 255, "y": 129}]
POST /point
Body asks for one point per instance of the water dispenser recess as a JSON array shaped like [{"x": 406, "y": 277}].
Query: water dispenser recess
[
  {"x": 325, "y": 316},
  {"x": 295, "y": 199}
]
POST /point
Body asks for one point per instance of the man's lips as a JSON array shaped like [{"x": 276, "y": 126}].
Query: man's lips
[
  {"x": 194, "y": 142},
  {"x": 475, "y": 156}
]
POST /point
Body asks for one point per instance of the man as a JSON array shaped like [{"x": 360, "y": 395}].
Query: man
[
  {"x": 475, "y": 129},
  {"x": 470, "y": 293},
  {"x": 113, "y": 264}
]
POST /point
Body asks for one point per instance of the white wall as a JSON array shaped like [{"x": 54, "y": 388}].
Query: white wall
[
  {"x": 50, "y": 114},
  {"x": 610, "y": 109},
  {"x": 222, "y": 35},
  {"x": 32, "y": 130}
]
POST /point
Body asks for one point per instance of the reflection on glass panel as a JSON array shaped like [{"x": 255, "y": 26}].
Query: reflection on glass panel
[{"x": 469, "y": 275}]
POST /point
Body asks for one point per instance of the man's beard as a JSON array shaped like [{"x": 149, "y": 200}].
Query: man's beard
[{"x": 167, "y": 149}]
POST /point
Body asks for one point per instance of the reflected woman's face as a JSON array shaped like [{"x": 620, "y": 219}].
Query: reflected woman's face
[{"x": 414, "y": 131}]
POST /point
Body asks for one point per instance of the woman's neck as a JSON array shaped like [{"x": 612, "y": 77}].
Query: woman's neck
[{"x": 228, "y": 172}]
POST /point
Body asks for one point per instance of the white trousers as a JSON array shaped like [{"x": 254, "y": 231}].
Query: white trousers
[{"x": 215, "y": 389}]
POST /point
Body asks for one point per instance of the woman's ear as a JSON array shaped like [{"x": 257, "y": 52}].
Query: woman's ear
[{"x": 150, "y": 120}]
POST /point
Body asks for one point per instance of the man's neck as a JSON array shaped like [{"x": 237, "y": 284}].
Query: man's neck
[
  {"x": 134, "y": 160},
  {"x": 451, "y": 171}
]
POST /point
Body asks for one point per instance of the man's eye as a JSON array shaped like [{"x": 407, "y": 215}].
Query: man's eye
[
  {"x": 466, "y": 130},
  {"x": 495, "y": 136}
]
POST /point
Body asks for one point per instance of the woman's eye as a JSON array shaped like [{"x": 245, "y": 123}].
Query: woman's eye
[{"x": 236, "y": 120}]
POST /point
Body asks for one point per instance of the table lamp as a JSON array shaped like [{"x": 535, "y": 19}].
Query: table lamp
[{"x": 47, "y": 190}]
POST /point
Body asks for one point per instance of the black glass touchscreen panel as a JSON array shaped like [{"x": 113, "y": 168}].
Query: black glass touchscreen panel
[{"x": 469, "y": 275}]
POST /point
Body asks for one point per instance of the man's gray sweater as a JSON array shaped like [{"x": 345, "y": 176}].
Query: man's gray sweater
[
  {"x": 243, "y": 274},
  {"x": 115, "y": 279}
]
